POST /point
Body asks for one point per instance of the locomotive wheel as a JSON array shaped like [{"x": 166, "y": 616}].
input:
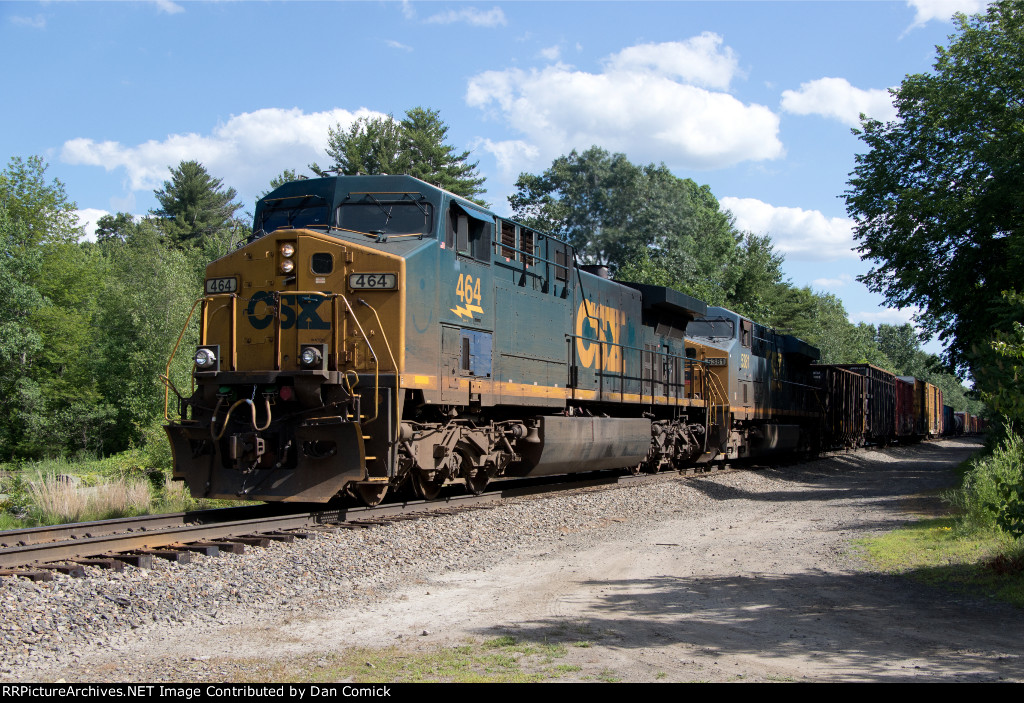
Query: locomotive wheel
[
  {"x": 371, "y": 493},
  {"x": 427, "y": 489},
  {"x": 476, "y": 480}
]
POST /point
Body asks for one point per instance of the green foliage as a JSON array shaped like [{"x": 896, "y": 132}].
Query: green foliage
[
  {"x": 41, "y": 209},
  {"x": 86, "y": 328},
  {"x": 369, "y": 146},
  {"x": 990, "y": 485},
  {"x": 1003, "y": 372},
  {"x": 194, "y": 207},
  {"x": 146, "y": 299},
  {"x": 938, "y": 198},
  {"x": 1010, "y": 508},
  {"x": 415, "y": 146},
  {"x": 286, "y": 176},
  {"x": 757, "y": 279},
  {"x": 643, "y": 219}
]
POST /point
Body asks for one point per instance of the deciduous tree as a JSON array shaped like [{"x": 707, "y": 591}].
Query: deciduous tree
[
  {"x": 938, "y": 197},
  {"x": 641, "y": 219}
]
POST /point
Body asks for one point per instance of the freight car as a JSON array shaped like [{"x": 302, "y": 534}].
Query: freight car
[{"x": 378, "y": 332}]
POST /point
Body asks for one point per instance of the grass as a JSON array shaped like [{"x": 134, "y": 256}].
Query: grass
[
  {"x": 499, "y": 660},
  {"x": 967, "y": 552},
  {"x": 56, "y": 491},
  {"x": 940, "y": 552},
  {"x": 60, "y": 499}
]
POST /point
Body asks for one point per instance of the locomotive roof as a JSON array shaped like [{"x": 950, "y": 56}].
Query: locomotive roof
[
  {"x": 786, "y": 343},
  {"x": 668, "y": 300}
]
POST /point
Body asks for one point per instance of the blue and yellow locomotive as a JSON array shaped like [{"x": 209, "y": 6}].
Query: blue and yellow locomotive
[{"x": 377, "y": 331}]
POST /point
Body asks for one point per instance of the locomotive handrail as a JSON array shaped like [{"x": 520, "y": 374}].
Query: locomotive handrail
[
  {"x": 676, "y": 385},
  {"x": 394, "y": 365},
  {"x": 170, "y": 360},
  {"x": 537, "y": 259}
]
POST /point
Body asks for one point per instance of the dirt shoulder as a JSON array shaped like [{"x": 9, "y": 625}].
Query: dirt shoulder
[{"x": 745, "y": 576}]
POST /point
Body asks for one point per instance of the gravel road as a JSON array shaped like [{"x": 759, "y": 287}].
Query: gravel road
[{"x": 733, "y": 576}]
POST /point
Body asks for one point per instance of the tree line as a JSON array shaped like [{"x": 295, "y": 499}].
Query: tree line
[{"x": 86, "y": 328}]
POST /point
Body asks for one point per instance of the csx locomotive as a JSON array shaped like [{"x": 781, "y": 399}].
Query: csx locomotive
[{"x": 377, "y": 331}]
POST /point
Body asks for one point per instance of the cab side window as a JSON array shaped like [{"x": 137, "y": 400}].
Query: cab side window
[{"x": 469, "y": 232}]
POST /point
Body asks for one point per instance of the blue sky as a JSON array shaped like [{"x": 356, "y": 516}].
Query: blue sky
[{"x": 755, "y": 99}]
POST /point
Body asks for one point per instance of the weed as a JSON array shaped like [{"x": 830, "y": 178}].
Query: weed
[{"x": 60, "y": 499}]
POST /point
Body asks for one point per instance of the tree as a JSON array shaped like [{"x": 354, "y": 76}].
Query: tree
[
  {"x": 431, "y": 159},
  {"x": 641, "y": 221},
  {"x": 371, "y": 145},
  {"x": 42, "y": 210},
  {"x": 286, "y": 176},
  {"x": 938, "y": 198},
  {"x": 145, "y": 300},
  {"x": 756, "y": 279},
  {"x": 415, "y": 146},
  {"x": 194, "y": 206}
]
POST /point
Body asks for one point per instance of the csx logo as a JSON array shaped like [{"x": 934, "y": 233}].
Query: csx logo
[
  {"x": 602, "y": 324},
  {"x": 296, "y": 311}
]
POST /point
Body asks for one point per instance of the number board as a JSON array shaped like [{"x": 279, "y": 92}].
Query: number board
[
  {"x": 221, "y": 285},
  {"x": 717, "y": 361},
  {"x": 373, "y": 281}
]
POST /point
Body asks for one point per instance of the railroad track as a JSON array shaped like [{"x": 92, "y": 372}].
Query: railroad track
[{"x": 38, "y": 552}]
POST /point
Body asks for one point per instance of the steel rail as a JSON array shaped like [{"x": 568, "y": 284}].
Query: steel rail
[{"x": 32, "y": 547}]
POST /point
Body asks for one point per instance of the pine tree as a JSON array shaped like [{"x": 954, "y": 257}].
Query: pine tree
[
  {"x": 430, "y": 159},
  {"x": 415, "y": 146},
  {"x": 194, "y": 205}
]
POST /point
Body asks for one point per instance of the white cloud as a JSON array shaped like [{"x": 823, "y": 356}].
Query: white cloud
[
  {"x": 168, "y": 6},
  {"x": 803, "y": 235},
  {"x": 245, "y": 152},
  {"x": 552, "y": 53},
  {"x": 699, "y": 60},
  {"x": 640, "y": 104},
  {"x": 37, "y": 22},
  {"x": 492, "y": 18},
  {"x": 836, "y": 98},
  {"x": 87, "y": 218},
  {"x": 886, "y": 316},
  {"x": 831, "y": 283},
  {"x": 943, "y": 10},
  {"x": 397, "y": 45}
]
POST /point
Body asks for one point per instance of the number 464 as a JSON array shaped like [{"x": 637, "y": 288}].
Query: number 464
[{"x": 468, "y": 289}]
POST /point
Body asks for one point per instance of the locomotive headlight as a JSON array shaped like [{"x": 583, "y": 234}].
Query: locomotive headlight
[
  {"x": 287, "y": 250},
  {"x": 287, "y": 266},
  {"x": 311, "y": 357},
  {"x": 205, "y": 359}
]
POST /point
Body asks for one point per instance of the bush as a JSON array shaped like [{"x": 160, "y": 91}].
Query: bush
[{"x": 993, "y": 489}]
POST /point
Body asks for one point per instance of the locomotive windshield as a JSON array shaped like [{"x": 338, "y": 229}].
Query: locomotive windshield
[
  {"x": 719, "y": 327},
  {"x": 387, "y": 215},
  {"x": 295, "y": 212}
]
